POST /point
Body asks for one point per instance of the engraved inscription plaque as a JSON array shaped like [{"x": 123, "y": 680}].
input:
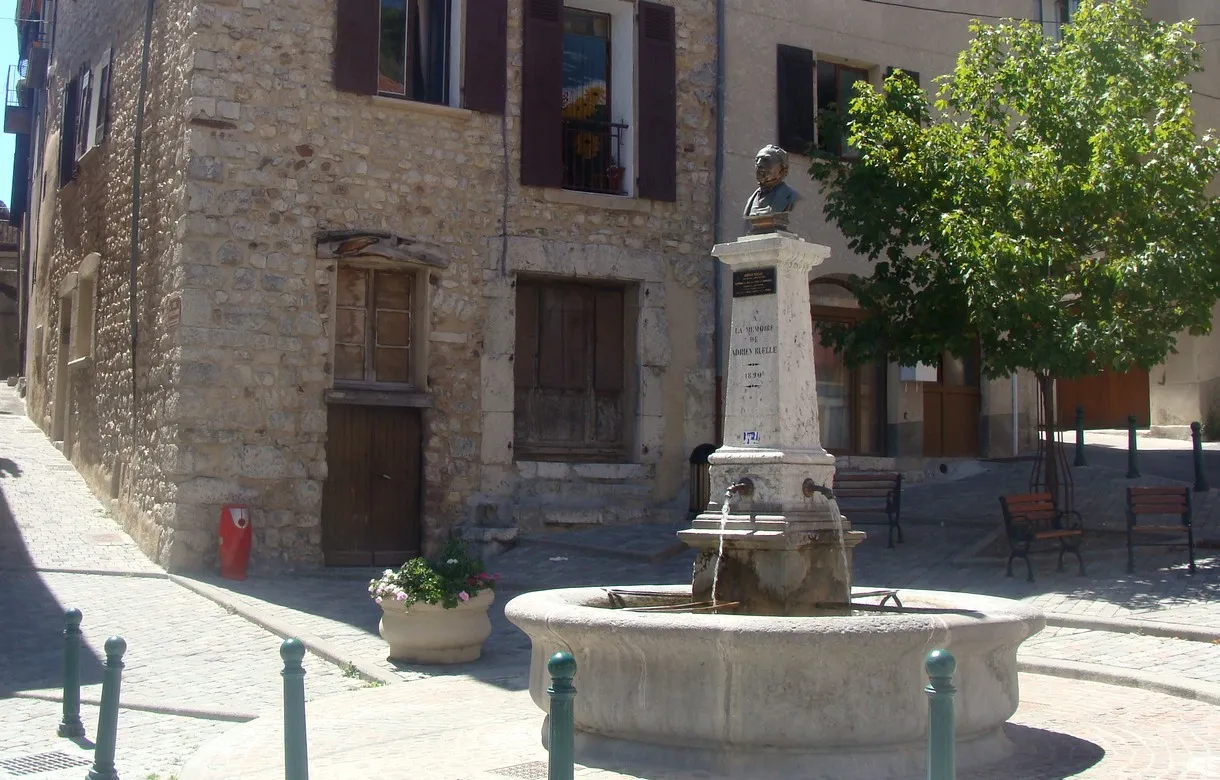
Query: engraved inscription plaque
[{"x": 758, "y": 281}]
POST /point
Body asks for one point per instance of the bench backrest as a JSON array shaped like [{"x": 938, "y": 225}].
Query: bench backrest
[
  {"x": 868, "y": 484},
  {"x": 1033, "y": 509},
  {"x": 1171, "y": 500}
]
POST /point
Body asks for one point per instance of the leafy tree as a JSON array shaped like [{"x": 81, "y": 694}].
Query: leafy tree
[{"x": 1052, "y": 206}]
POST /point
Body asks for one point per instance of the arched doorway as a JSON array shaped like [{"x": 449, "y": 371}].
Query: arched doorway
[{"x": 851, "y": 401}]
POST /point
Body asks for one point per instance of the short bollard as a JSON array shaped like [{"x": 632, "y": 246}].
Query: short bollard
[
  {"x": 70, "y": 724},
  {"x": 296, "y": 748},
  {"x": 108, "y": 718},
  {"x": 562, "y": 743},
  {"x": 1133, "y": 462},
  {"x": 1080, "y": 437},
  {"x": 942, "y": 761},
  {"x": 1196, "y": 435}
]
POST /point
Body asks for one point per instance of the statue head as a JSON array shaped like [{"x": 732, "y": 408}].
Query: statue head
[{"x": 770, "y": 166}]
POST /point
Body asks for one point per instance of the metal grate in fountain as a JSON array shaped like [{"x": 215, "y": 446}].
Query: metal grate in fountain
[{"x": 534, "y": 770}]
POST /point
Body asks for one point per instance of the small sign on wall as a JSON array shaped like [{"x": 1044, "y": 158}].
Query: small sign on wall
[
  {"x": 749, "y": 438},
  {"x": 173, "y": 310},
  {"x": 920, "y": 372}
]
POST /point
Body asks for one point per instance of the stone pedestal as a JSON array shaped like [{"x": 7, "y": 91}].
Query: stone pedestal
[{"x": 785, "y": 546}]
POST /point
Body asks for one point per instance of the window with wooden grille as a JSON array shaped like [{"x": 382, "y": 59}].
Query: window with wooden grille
[
  {"x": 374, "y": 341},
  {"x": 571, "y": 365}
]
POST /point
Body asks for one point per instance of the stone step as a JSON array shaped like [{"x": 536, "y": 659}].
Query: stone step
[
  {"x": 540, "y": 516},
  {"x": 558, "y": 490}
]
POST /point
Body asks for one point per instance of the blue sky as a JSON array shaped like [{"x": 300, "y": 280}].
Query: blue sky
[{"x": 8, "y": 56}]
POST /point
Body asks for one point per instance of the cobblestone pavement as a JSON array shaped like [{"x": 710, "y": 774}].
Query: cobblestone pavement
[
  {"x": 1064, "y": 728},
  {"x": 186, "y": 654}
]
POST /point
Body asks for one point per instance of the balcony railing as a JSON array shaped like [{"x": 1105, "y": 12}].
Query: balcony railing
[
  {"x": 18, "y": 115},
  {"x": 592, "y": 156}
]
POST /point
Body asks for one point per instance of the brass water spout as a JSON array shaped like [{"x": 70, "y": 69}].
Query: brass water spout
[
  {"x": 744, "y": 488},
  {"x": 809, "y": 487}
]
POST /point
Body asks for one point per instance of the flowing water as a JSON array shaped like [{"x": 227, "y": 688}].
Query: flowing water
[
  {"x": 837, "y": 517},
  {"x": 724, "y": 523}
]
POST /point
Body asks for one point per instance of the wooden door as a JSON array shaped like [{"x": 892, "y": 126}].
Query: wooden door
[
  {"x": 1107, "y": 398},
  {"x": 371, "y": 503},
  {"x": 951, "y": 407}
]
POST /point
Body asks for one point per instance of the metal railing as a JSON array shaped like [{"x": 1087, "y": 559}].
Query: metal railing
[{"x": 592, "y": 156}]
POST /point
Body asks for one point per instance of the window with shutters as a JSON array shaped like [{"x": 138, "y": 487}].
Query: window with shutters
[
  {"x": 834, "y": 88},
  {"x": 571, "y": 364},
  {"x": 86, "y": 114},
  {"x": 413, "y": 49},
  {"x": 375, "y": 328},
  {"x": 599, "y": 97},
  {"x": 443, "y": 52}
]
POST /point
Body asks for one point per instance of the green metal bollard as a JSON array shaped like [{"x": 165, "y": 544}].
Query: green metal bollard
[
  {"x": 1196, "y": 435},
  {"x": 1133, "y": 463},
  {"x": 942, "y": 761},
  {"x": 108, "y": 718},
  {"x": 1080, "y": 437},
  {"x": 70, "y": 725},
  {"x": 296, "y": 748},
  {"x": 562, "y": 744}
]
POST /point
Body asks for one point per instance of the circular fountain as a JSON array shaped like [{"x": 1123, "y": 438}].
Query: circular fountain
[{"x": 770, "y": 664}]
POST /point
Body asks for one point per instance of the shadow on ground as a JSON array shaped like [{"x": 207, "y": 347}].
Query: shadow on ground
[{"x": 31, "y": 619}]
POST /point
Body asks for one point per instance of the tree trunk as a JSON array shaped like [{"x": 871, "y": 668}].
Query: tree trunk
[{"x": 1050, "y": 462}]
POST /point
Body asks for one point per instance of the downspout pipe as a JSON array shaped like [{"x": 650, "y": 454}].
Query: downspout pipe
[
  {"x": 137, "y": 154},
  {"x": 718, "y": 222}
]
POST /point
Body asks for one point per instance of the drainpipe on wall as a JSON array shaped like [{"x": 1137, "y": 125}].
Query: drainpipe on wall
[
  {"x": 717, "y": 222},
  {"x": 135, "y": 205}
]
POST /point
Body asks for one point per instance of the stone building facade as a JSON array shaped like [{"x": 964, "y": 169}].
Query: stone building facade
[{"x": 376, "y": 298}]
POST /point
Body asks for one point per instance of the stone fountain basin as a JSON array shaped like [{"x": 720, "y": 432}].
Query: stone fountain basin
[{"x": 754, "y": 696}]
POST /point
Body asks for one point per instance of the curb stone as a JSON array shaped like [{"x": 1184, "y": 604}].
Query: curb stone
[
  {"x": 1208, "y": 693},
  {"x": 1128, "y": 626},
  {"x": 260, "y": 618}
]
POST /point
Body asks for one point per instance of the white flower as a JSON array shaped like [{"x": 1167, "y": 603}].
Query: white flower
[
  {"x": 451, "y": 561},
  {"x": 389, "y": 573}
]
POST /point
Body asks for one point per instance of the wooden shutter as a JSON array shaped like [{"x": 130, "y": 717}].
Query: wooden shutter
[
  {"x": 357, "y": 40},
  {"x": 563, "y": 339},
  {"x": 794, "y": 98},
  {"x": 525, "y": 354},
  {"x": 83, "y": 106},
  {"x": 608, "y": 340},
  {"x": 485, "y": 80},
  {"x": 914, "y": 74},
  {"x": 103, "y": 98},
  {"x": 542, "y": 94},
  {"x": 67, "y": 141},
  {"x": 657, "y": 133}
]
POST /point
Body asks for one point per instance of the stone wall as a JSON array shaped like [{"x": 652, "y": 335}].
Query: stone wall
[
  {"x": 277, "y": 156},
  {"x": 116, "y": 431}
]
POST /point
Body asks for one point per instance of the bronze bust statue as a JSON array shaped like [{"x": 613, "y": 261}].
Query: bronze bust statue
[{"x": 768, "y": 208}]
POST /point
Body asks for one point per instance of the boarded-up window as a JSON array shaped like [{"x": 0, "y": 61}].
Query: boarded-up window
[
  {"x": 373, "y": 326},
  {"x": 571, "y": 364}
]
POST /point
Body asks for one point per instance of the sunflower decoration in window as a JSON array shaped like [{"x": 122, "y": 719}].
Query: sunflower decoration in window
[{"x": 586, "y": 106}]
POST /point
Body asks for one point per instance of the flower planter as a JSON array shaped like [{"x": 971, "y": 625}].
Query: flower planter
[{"x": 430, "y": 634}]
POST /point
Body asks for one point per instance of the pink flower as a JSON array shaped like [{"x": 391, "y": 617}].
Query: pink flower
[
  {"x": 400, "y": 596},
  {"x": 378, "y": 599},
  {"x": 464, "y": 596}
]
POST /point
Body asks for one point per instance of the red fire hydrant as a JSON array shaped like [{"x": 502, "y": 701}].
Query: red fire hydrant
[{"x": 235, "y": 534}]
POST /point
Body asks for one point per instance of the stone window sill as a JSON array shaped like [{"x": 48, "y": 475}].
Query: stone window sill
[
  {"x": 597, "y": 201},
  {"x": 356, "y": 396},
  {"x": 415, "y": 106}
]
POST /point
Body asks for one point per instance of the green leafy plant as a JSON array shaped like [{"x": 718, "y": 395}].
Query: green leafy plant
[
  {"x": 1051, "y": 210},
  {"x": 449, "y": 579}
]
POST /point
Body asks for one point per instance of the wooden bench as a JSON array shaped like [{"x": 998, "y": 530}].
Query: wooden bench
[
  {"x": 1153, "y": 501},
  {"x": 1032, "y": 517},
  {"x": 871, "y": 493}
]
